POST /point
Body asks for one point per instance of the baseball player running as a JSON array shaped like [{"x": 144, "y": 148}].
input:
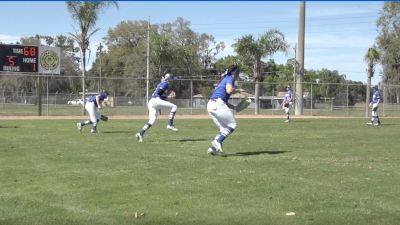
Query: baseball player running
[
  {"x": 219, "y": 109},
  {"x": 376, "y": 97},
  {"x": 287, "y": 102},
  {"x": 156, "y": 103},
  {"x": 92, "y": 106}
]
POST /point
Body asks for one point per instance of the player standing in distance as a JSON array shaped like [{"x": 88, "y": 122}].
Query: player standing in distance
[
  {"x": 92, "y": 106},
  {"x": 287, "y": 102},
  {"x": 374, "y": 104},
  {"x": 157, "y": 102},
  {"x": 219, "y": 109}
]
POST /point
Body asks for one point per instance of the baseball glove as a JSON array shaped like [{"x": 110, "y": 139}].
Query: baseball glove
[
  {"x": 243, "y": 104},
  {"x": 104, "y": 118}
]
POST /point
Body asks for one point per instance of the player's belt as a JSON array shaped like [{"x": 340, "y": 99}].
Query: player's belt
[{"x": 216, "y": 99}]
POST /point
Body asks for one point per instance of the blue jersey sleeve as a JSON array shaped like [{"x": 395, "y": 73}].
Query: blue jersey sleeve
[
  {"x": 220, "y": 91},
  {"x": 161, "y": 90}
]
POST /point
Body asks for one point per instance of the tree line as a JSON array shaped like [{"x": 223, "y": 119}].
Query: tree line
[{"x": 176, "y": 48}]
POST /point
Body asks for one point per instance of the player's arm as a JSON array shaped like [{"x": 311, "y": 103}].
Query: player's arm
[
  {"x": 230, "y": 105},
  {"x": 230, "y": 89},
  {"x": 98, "y": 101}
]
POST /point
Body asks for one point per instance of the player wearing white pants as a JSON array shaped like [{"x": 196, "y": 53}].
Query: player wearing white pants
[
  {"x": 223, "y": 117},
  {"x": 92, "y": 106},
  {"x": 158, "y": 102},
  {"x": 374, "y": 104},
  {"x": 219, "y": 109},
  {"x": 287, "y": 103}
]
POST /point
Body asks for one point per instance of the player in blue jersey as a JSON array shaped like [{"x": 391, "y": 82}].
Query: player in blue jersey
[
  {"x": 287, "y": 102},
  {"x": 374, "y": 104},
  {"x": 157, "y": 102},
  {"x": 218, "y": 108},
  {"x": 92, "y": 106}
]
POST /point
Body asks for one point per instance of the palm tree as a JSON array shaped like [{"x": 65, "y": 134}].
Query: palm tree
[
  {"x": 268, "y": 44},
  {"x": 86, "y": 14},
  {"x": 371, "y": 58}
]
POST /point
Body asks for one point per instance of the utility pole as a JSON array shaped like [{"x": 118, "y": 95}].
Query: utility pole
[
  {"x": 300, "y": 60},
  {"x": 148, "y": 62},
  {"x": 39, "y": 94},
  {"x": 295, "y": 64},
  {"x": 100, "y": 53}
]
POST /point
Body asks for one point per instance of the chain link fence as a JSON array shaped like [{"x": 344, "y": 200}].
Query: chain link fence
[{"x": 60, "y": 96}]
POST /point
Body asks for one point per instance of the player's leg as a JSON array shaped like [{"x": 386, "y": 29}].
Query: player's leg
[
  {"x": 287, "y": 110},
  {"x": 227, "y": 123},
  {"x": 174, "y": 108},
  {"x": 91, "y": 109},
  {"x": 152, "y": 119},
  {"x": 96, "y": 117},
  {"x": 211, "y": 108},
  {"x": 373, "y": 115},
  {"x": 376, "y": 119},
  {"x": 80, "y": 125}
]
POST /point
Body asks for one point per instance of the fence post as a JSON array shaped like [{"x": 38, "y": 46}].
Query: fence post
[
  {"x": 311, "y": 99},
  {"x": 384, "y": 100},
  {"x": 39, "y": 95},
  {"x": 347, "y": 99},
  {"x": 273, "y": 101},
  {"x": 47, "y": 95},
  {"x": 191, "y": 96}
]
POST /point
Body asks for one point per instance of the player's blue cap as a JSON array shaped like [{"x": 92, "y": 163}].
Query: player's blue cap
[
  {"x": 375, "y": 86},
  {"x": 234, "y": 69},
  {"x": 104, "y": 94},
  {"x": 169, "y": 76}
]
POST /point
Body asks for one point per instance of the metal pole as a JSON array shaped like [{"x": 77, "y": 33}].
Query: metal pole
[
  {"x": 311, "y": 100},
  {"x": 148, "y": 62},
  {"x": 100, "y": 49},
  {"x": 294, "y": 77},
  {"x": 273, "y": 101},
  {"x": 191, "y": 96},
  {"x": 384, "y": 100},
  {"x": 47, "y": 94},
  {"x": 39, "y": 94},
  {"x": 347, "y": 100}
]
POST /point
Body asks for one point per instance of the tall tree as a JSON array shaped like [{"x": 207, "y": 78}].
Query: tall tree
[
  {"x": 268, "y": 44},
  {"x": 371, "y": 58},
  {"x": 388, "y": 43},
  {"x": 86, "y": 14}
]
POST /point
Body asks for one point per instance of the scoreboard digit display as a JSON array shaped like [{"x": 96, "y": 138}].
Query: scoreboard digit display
[{"x": 19, "y": 58}]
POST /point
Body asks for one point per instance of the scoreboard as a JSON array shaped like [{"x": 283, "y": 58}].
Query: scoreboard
[{"x": 19, "y": 58}]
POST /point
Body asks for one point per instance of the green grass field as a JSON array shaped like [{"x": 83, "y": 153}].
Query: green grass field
[{"x": 326, "y": 171}]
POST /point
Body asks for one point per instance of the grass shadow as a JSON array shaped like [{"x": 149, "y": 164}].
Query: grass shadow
[
  {"x": 189, "y": 140},
  {"x": 299, "y": 121},
  {"x": 118, "y": 132},
  {"x": 253, "y": 153},
  {"x": 389, "y": 124},
  {"x": 9, "y": 126}
]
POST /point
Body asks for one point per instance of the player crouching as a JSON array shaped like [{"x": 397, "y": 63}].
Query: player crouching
[{"x": 92, "y": 106}]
